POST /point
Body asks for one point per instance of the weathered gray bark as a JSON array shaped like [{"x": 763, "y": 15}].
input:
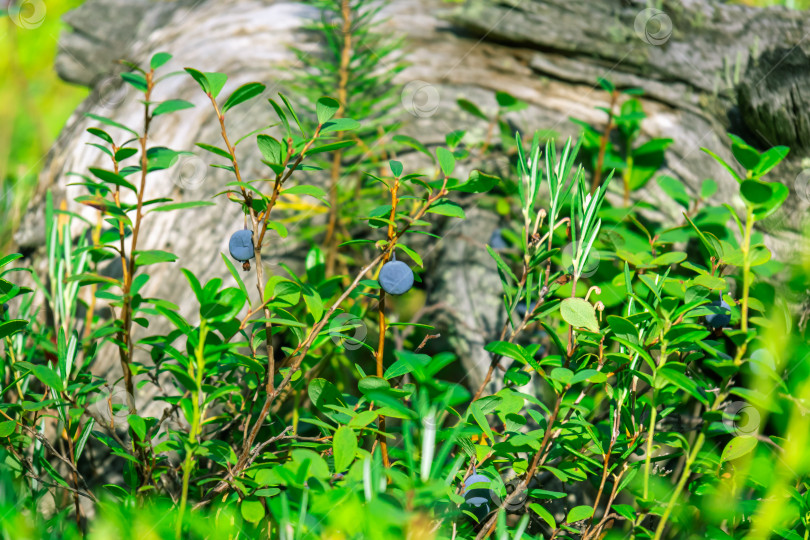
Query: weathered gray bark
[{"x": 548, "y": 53}]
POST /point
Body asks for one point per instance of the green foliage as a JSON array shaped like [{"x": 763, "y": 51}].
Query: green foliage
[{"x": 298, "y": 405}]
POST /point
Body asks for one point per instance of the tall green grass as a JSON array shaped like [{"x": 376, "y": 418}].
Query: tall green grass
[{"x": 36, "y": 104}]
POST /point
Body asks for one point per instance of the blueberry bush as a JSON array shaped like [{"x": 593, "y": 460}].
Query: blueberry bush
[{"x": 650, "y": 381}]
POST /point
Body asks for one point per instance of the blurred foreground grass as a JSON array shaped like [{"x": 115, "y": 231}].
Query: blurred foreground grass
[
  {"x": 36, "y": 103},
  {"x": 791, "y": 4}
]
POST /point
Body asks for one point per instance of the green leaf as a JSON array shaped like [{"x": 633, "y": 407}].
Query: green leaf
[
  {"x": 765, "y": 197},
  {"x": 738, "y": 447},
  {"x": 9, "y": 258},
  {"x": 107, "y": 121},
  {"x": 666, "y": 259},
  {"x": 330, "y": 147},
  {"x": 138, "y": 425},
  {"x": 510, "y": 350},
  {"x": 672, "y": 374},
  {"x": 48, "y": 377},
  {"x": 7, "y": 428},
  {"x": 181, "y": 206},
  {"x": 505, "y": 100},
  {"x": 446, "y": 160},
  {"x": 217, "y": 81},
  {"x": 270, "y": 148},
  {"x": 201, "y": 79},
  {"x": 159, "y": 59},
  {"x": 745, "y": 155},
  {"x": 544, "y": 514},
  {"x": 481, "y": 419},
  {"x": 472, "y": 108},
  {"x": 478, "y": 183},
  {"x": 502, "y": 266},
  {"x": 112, "y": 178},
  {"x": 278, "y": 227},
  {"x": 578, "y": 513},
  {"x": 453, "y": 138},
  {"x": 399, "y": 368},
  {"x": 89, "y": 277},
  {"x": 160, "y": 158},
  {"x": 292, "y": 111},
  {"x": 252, "y": 509},
  {"x": 153, "y": 256},
  {"x": 363, "y": 419},
  {"x": 708, "y": 188},
  {"x": 243, "y": 93},
  {"x": 623, "y": 328},
  {"x": 579, "y": 313},
  {"x": 447, "y": 208},
  {"x": 703, "y": 239},
  {"x": 137, "y": 80},
  {"x": 171, "y": 105},
  {"x": 236, "y": 276},
  {"x": 322, "y": 393},
  {"x": 396, "y": 167},
  {"x": 647, "y": 160},
  {"x": 561, "y": 374},
  {"x": 282, "y": 117},
  {"x": 779, "y": 195},
  {"x": 13, "y": 326},
  {"x": 340, "y": 124},
  {"x": 413, "y": 143},
  {"x": 101, "y": 134},
  {"x": 344, "y": 447},
  {"x": 755, "y": 193},
  {"x": 675, "y": 189},
  {"x": 215, "y": 150},
  {"x": 770, "y": 159},
  {"x": 123, "y": 153},
  {"x": 411, "y": 253},
  {"x": 326, "y": 108},
  {"x": 725, "y": 165}
]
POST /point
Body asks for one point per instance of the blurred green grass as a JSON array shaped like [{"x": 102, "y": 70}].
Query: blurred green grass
[
  {"x": 792, "y": 4},
  {"x": 36, "y": 103}
]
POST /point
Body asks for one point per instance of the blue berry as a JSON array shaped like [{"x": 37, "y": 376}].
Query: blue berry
[
  {"x": 241, "y": 245},
  {"x": 477, "y": 495},
  {"x": 722, "y": 319},
  {"x": 477, "y": 499},
  {"x": 396, "y": 277},
  {"x": 497, "y": 241}
]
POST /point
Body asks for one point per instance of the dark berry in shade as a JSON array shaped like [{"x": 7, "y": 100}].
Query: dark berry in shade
[
  {"x": 497, "y": 241},
  {"x": 477, "y": 499},
  {"x": 241, "y": 245},
  {"x": 396, "y": 277},
  {"x": 479, "y": 494},
  {"x": 721, "y": 319},
  {"x": 521, "y": 307}
]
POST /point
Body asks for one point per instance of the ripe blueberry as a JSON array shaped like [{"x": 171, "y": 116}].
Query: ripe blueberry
[
  {"x": 396, "y": 277},
  {"x": 241, "y": 245},
  {"x": 722, "y": 319},
  {"x": 477, "y": 495},
  {"x": 478, "y": 498},
  {"x": 497, "y": 241}
]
